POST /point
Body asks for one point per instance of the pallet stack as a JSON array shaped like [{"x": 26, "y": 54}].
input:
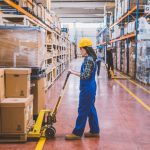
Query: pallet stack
[{"x": 16, "y": 104}]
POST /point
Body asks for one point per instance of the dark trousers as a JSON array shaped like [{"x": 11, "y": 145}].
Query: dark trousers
[
  {"x": 98, "y": 67},
  {"x": 110, "y": 66}
]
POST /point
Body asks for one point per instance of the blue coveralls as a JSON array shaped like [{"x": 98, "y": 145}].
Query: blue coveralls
[{"x": 86, "y": 107}]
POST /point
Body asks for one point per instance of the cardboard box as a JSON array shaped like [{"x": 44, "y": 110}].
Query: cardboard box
[
  {"x": 17, "y": 82},
  {"x": 2, "y": 87},
  {"x": 26, "y": 4},
  {"x": 16, "y": 114},
  {"x": 38, "y": 90}
]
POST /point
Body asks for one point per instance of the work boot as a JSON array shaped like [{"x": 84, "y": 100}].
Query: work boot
[
  {"x": 72, "y": 137},
  {"x": 89, "y": 134}
]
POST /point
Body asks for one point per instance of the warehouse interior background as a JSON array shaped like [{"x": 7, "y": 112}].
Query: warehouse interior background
[{"x": 39, "y": 100}]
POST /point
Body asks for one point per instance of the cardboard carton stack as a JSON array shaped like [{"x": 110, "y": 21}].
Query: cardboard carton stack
[{"x": 16, "y": 105}]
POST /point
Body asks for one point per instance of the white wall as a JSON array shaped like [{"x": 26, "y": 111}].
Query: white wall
[{"x": 79, "y": 30}]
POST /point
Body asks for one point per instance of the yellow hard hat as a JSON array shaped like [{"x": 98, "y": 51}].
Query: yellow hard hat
[{"x": 85, "y": 42}]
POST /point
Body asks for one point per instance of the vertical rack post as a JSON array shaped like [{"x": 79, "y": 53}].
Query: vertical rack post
[
  {"x": 127, "y": 41},
  {"x": 136, "y": 40}
]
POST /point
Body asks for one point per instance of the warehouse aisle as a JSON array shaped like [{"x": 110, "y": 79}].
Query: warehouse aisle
[{"x": 124, "y": 122}]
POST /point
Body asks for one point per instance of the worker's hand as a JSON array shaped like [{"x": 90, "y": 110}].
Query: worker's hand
[{"x": 71, "y": 71}]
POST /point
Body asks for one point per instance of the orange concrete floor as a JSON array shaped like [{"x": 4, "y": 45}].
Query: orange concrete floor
[{"x": 124, "y": 122}]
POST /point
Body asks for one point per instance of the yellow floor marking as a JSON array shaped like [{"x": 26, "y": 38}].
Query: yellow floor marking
[
  {"x": 133, "y": 95},
  {"x": 146, "y": 90},
  {"x": 40, "y": 144}
]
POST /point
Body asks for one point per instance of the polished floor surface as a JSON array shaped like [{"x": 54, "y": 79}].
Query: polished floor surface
[{"x": 124, "y": 120}]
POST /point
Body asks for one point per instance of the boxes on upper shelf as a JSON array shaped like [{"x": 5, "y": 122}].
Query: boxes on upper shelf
[
  {"x": 17, "y": 82},
  {"x": 2, "y": 87},
  {"x": 26, "y": 4},
  {"x": 16, "y": 115},
  {"x": 45, "y": 3}
]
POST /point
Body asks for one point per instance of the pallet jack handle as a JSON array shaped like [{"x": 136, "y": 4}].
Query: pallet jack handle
[{"x": 61, "y": 96}]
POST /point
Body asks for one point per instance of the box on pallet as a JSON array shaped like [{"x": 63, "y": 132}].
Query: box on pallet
[
  {"x": 35, "y": 8},
  {"x": 16, "y": 115},
  {"x": 22, "y": 51},
  {"x": 41, "y": 12},
  {"x": 132, "y": 58},
  {"x": 27, "y": 4},
  {"x": 17, "y": 82},
  {"x": 144, "y": 29},
  {"x": 2, "y": 87},
  {"x": 143, "y": 62},
  {"x": 38, "y": 91},
  {"x": 45, "y": 3}
]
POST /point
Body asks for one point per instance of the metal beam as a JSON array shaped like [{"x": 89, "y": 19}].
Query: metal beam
[
  {"x": 75, "y": 4},
  {"x": 81, "y": 15},
  {"x": 77, "y": 11},
  {"x": 82, "y": 0},
  {"x": 83, "y": 20}
]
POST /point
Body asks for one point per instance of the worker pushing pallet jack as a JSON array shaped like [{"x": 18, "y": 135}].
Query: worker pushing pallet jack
[
  {"x": 111, "y": 74},
  {"x": 44, "y": 128},
  {"x": 110, "y": 66}
]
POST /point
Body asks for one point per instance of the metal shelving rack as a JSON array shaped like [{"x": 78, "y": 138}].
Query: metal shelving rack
[
  {"x": 136, "y": 11},
  {"x": 59, "y": 47}
]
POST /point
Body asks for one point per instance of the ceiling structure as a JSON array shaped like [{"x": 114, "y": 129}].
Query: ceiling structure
[{"x": 85, "y": 11}]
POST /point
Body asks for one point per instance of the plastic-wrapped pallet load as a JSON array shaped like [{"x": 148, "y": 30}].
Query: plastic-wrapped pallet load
[
  {"x": 132, "y": 58},
  {"x": 144, "y": 29},
  {"x": 143, "y": 51},
  {"x": 143, "y": 62},
  {"x": 22, "y": 47}
]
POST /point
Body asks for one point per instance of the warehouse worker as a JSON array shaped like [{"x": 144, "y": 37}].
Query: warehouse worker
[
  {"x": 86, "y": 107},
  {"x": 99, "y": 59},
  {"x": 110, "y": 60}
]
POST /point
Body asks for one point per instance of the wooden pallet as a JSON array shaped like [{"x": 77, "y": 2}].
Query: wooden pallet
[{"x": 4, "y": 138}]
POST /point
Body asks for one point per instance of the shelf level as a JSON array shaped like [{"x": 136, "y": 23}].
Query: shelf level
[
  {"x": 101, "y": 44},
  {"x": 123, "y": 37},
  {"x": 124, "y": 16},
  {"x": 17, "y": 7}
]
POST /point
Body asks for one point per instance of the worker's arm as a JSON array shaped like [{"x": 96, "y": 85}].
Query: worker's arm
[
  {"x": 87, "y": 69},
  {"x": 75, "y": 72}
]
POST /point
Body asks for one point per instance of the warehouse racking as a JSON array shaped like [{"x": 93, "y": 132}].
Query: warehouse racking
[
  {"x": 123, "y": 36},
  {"x": 59, "y": 50}
]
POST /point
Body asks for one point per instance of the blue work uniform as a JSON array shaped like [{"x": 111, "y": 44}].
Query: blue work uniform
[{"x": 87, "y": 95}]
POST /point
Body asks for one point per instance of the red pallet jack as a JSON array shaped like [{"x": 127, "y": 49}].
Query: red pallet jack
[{"x": 44, "y": 128}]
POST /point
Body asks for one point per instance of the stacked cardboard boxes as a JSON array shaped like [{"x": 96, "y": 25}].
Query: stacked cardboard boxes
[{"x": 16, "y": 107}]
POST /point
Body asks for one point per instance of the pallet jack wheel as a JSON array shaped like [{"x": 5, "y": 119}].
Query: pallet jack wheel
[{"x": 50, "y": 132}]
